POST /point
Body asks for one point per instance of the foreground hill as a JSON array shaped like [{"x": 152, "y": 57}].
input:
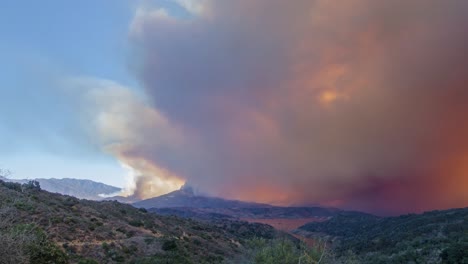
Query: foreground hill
[
  {"x": 432, "y": 237},
  {"x": 41, "y": 227},
  {"x": 83, "y": 189}
]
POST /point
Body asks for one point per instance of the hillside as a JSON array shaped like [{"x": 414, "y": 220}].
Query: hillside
[
  {"x": 432, "y": 237},
  {"x": 42, "y": 227},
  {"x": 185, "y": 203},
  {"x": 270, "y": 212},
  {"x": 185, "y": 197},
  {"x": 83, "y": 189},
  {"x": 62, "y": 229}
]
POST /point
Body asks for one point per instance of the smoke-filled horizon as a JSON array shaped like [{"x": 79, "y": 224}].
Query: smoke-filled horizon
[{"x": 359, "y": 104}]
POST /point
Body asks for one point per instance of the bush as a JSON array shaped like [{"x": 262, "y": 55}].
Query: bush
[
  {"x": 88, "y": 261},
  {"x": 12, "y": 250},
  {"x": 285, "y": 251},
  {"x": 13, "y": 186},
  {"x": 455, "y": 253},
  {"x": 47, "y": 253},
  {"x": 29, "y": 243},
  {"x": 24, "y": 206},
  {"x": 32, "y": 185},
  {"x": 169, "y": 245},
  {"x": 136, "y": 223}
]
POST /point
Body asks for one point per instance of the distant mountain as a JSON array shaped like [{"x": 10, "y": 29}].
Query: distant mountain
[
  {"x": 185, "y": 203},
  {"x": 186, "y": 197},
  {"x": 83, "y": 189},
  {"x": 431, "y": 237}
]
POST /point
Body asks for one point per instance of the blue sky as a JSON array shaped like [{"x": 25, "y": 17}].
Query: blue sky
[
  {"x": 41, "y": 43},
  {"x": 84, "y": 37}
]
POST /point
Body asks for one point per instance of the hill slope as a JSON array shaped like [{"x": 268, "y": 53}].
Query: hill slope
[
  {"x": 73, "y": 230},
  {"x": 270, "y": 212},
  {"x": 432, "y": 237}
]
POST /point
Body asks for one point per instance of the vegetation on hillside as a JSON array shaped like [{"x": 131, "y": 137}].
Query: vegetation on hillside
[
  {"x": 51, "y": 228},
  {"x": 270, "y": 212},
  {"x": 41, "y": 227},
  {"x": 285, "y": 251},
  {"x": 432, "y": 237}
]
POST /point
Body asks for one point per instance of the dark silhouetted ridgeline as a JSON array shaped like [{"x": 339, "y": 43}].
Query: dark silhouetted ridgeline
[
  {"x": 185, "y": 197},
  {"x": 185, "y": 203}
]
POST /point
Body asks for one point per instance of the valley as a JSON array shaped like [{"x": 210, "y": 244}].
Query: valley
[
  {"x": 289, "y": 226},
  {"x": 285, "y": 224}
]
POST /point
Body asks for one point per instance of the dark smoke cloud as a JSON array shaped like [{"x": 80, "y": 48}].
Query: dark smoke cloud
[{"x": 360, "y": 104}]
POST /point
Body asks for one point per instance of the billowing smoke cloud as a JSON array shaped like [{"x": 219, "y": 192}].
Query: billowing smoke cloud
[
  {"x": 122, "y": 124},
  {"x": 360, "y": 104}
]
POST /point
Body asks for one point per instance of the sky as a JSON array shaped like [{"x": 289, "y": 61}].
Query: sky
[
  {"x": 360, "y": 104},
  {"x": 44, "y": 43}
]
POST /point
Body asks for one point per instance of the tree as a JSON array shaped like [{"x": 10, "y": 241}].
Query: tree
[
  {"x": 12, "y": 248},
  {"x": 285, "y": 251},
  {"x": 5, "y": 173},
  {"x": 32, "y": 185}
]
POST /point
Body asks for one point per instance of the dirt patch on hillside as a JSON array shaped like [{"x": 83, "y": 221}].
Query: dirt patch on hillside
[
  {"x": 284, "y": 224},
  {"x": 288, "y": 225}
]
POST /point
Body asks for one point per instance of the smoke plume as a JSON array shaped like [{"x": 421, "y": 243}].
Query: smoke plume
[{"x": 359, "y": 104}]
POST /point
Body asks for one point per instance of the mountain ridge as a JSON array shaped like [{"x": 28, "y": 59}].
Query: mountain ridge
[
  {"x": 80, "y": 188},
  {"x": 186, "y": 203},
  {"x": 186, "y": 197}
]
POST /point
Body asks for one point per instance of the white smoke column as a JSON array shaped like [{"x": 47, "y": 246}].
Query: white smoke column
[{"x": 122, "y": 124}]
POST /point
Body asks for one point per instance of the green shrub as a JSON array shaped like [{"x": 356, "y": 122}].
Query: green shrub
[
  {"x": 149, "y": 240},
  {"x": 105, "y": 246},
  {"x": 136, "y": 223},
  {"x": 455, "y": 253},
  {"x": 13, "y": 186},
  {"x": 38, "y": 247},
  {"x": 24, "y": 206},
  {"x": 284, "y": 251},
  {"x": 169, "y": 245},
  {"x": 87, "y": 261},
  {"x": 47, "y": 253}
]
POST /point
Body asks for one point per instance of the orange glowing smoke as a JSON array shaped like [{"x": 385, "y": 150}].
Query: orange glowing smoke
[{"x": 362, "y": 104}]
